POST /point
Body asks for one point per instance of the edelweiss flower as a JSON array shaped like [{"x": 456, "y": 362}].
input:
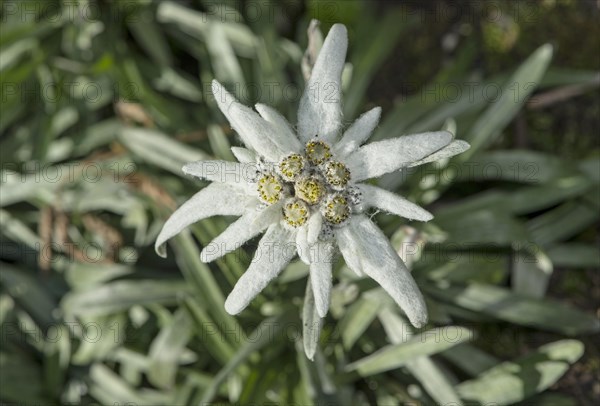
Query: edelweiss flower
[{"x": 305, "y": 189}]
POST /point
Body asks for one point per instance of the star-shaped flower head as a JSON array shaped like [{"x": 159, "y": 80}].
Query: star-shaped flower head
[{"x": 305, "y": 190}]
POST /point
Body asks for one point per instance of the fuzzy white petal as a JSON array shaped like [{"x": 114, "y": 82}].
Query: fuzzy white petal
[
  {"x": 373, "y": 196},
  {"x": 378, "y": 158},
  {"x": 254, "y": 131},
  {"x": 320, "y": 275},
  {"x": 274, "y": 252},
  {"x": 246, "y": 227},
  {"x": 302, "y": 244},
  {"x": 320, "y": 111},
  {"x": 380, "y": 262},
  {"x": 312, "y": 323},
  {"x": 221, "y": 171},
  {"x": 217, "y": 199},
  {"x": 314, "y": 225},
  {"x": 244, "y": 155},
  {"x": 348, "y": 248},
  {"x": 287, "y": 136},
  {"x": 358, "y": 132},
  {"x": 454, "y": 148}
]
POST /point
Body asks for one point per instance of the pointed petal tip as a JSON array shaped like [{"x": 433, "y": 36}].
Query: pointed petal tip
[
  {"x": 464, "y": 145},
  {"x": 161, "y": 252},
  {"x": 322, "y": 311},
  {"x": 427, "y": 217},
  {"x": 339, "y": 29},
  {"x": 160, "y": 248},
  {"x": 309, "y": 354},
  {"x": 232, "y": 308},
  {"x": 419, "y": 321},
  {"x": 204, "y": 257},
  {"x": 186, "y": 168}
]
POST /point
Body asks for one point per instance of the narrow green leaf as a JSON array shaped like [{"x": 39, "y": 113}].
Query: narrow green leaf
[
  {"x": 427, "y": 343},
  {"x": 514, "y": 308},
  {"x": 166, "y": 349},
  {"x": 424, "y": 369},
  {"x": 121, "y": 295},
  {"x": 29, "y": 294},
  {"x": 577, "y": 255},
  {"x": 357, "y": 319},
  {"x": 159, "y": 149},
  {"x": 514, "y": 381},
  {"x": 264, "y": 333},
  {"x": 512, "y": 96},
  {"x": 531, "y": 272}
]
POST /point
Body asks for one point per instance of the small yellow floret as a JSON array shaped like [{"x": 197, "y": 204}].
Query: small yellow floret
[
  {"x": 295, "y": 213},
  {"x": 337, "y": 174},
  {"x": 310, "y": 189},
  {"x": 269, "y": 189},
  {"x": 335, "y": 208},
  {"x": 317, "y": 152},
  {"x": 291, "y": 167}
]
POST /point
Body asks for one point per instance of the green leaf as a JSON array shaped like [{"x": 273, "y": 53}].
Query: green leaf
[
  {"x": 198, "y": 24},
  {"x": 264, "y": 333},
  {"x": 209, "y": 331},
  {"x": 109, "y": 388},
  {"x": 562, "y": 222},
  {"x": 121, "y": 295},
  {"x": 515, "y": 165},
  {"x": 82, "y": 276},
  {"x": 427, "y": 343},
  {"x": 485, "y": 226},
  {"x": 199, "y": 275},
  {"x": 514, "y": 381},
  {"x": 576, "y": 255},
  {"x": 21, "y": 380},
  {"x": 159, "y": 149},
  {"x": 424, "y": 369},
  {"x": 470, "y": 359},
  {"x": 166, "y": 349},
  {"x": 531, "y": 272},
  {"x": 505, "y": 305},
  {"x": 357, "y": 319},
  {"x": 98, "y": 337},
  {"x": 534, "y": 198},
  {"x": 29, "y": 294},
  {"x": 371, "y": 51},
  {"x": 512, "y": 96}
]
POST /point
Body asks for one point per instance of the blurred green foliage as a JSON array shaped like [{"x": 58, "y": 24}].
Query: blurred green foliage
[{"x": 102, "y": 103}]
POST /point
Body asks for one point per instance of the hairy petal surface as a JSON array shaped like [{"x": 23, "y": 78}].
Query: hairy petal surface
[
  {"x": 349, "y": 249},
  {"x": 320, "y": 111},
  {"x": 358, "y": 133},
  {"x": 379, "y": 158},
  {"x": 288, "y": 139},
  {"x": 220, "y": 171},
  {"x": 321, "y": 257},
  {"x": 244, "y": 155},
  {"x": 217, "y": 199},
  {"x": 274, "y": 252},
  {"x": 374, "y": 196},
  {"x": 314, "y": 228},
  {"x": 255, "y": 132},
  {"x": 302, "y": 244},
  {"x": 312, "y": 323},
  {"x": 246, "y": 227},
  {"x": 454, "y": 148},
  {"x": 380, "y": 262}
]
